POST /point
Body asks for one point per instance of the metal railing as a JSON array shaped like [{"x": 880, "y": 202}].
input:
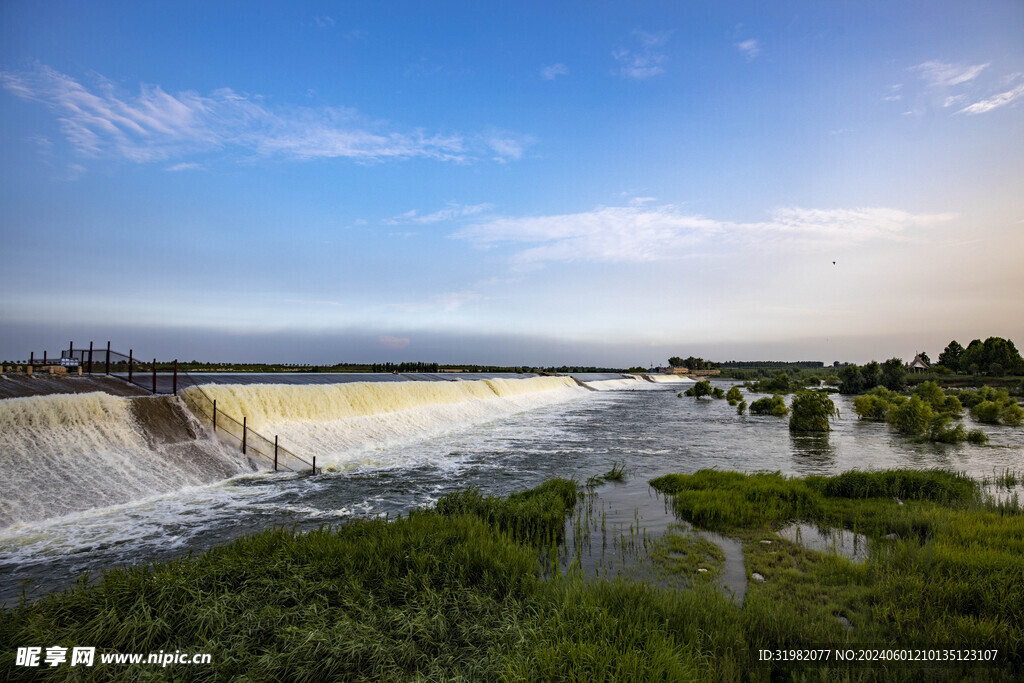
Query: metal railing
[
  {"x": 147, "y": 375},
  {"x": 250, "y": 441}
]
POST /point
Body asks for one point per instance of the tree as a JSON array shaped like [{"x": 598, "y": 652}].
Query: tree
[
  {"x": 894, "y": 374},
  {"x": 677, "y": 362},
  {"x": 812, "y": 411},
  {"x": 872, "y": 374},
  {"x": 851, "y": 381},
  {"x": 700, "y": 389},
  {"x": 950, "y": 356},
  {"x": 924, "y": 356}
]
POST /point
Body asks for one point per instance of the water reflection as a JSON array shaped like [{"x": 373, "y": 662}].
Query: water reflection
[{"x": 813, "y": 453}]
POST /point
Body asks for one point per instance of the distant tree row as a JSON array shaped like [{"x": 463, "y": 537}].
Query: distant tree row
[
  {"x": 855, "y": 379},
  {"x": 995, "y": 356},
  {"x": 692, "y": 363}
]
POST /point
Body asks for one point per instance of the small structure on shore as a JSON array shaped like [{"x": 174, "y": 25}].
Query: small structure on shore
[{"x": 918, "y": 364}]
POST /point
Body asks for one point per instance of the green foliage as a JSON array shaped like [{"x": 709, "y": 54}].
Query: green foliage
[
  {"x": 779, "y": 384},
  {"x": 812, "y": 411},
  {"x": 1012, "y": 415},
  {"x": 932, "y": 394},
  {"x": 894, "y": 374},
  {"x": 741, "y": 407},
  {"x": 977, "y": 437},
  {"x": 871, "y": 407},
  {"x": 851, "y": 381},
  {"x": 987, "y": 412},
  {"x": 700, "y": 389},
  {"x": 774, "y": 405},
  {"x": 734, "y": 394},
  {"x": 677, "y": 362},
  {"x": 718, "y": 393},
  {"x": 950, "y": 356},
  {"x": 872, "y": 374},
  {"x": 993, "y": 351},
  {"x": 911, "y": 418}
]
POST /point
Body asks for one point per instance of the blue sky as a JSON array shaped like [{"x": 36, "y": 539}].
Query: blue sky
[{"x": 592, "y": 183}]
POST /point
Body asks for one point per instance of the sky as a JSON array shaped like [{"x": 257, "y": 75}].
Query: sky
[{"x": 582, "y": 183}]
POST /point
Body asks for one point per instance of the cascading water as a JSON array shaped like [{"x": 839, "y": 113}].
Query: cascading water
[
  {"x": 360, "y": 425},
  {"x": 71, "y": 452}
]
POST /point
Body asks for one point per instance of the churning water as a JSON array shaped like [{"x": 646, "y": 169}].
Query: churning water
[{"x": 93, "y": 481}]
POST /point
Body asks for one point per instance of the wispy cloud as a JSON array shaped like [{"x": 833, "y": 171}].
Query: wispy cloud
[
  {"x": 324, "y": 21},
  {"x": 750, "y": 48},
  {"x": 943, "y": 75},
  {"x": 994, "y": 102},
  {"x": 452, "y": 211},
  {"x": 645, "y": 59},
  {"x": 637, "y": 233},
  {"x": 101, "y": 121},
  {"x": 185, "y": 166},
  {"x": 550, "y": 73},
  {"x": 445, "y": 302}
]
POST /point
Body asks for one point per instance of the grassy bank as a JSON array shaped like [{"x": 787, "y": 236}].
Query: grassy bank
[{"x": 455, "y": 592}]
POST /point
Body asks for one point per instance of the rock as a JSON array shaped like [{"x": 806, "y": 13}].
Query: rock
[
  {"x": 899, "y": 502},
  {"x": 757, "y": 577},
  {"x": 766, "y": 542},
  {"x": 701, "y": 570},
  {"x": 844, "y": 622},
  {"x": 891, "y": 537}
]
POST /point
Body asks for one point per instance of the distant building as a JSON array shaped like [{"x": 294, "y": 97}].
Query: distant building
[{"x": 918, "y": 364}]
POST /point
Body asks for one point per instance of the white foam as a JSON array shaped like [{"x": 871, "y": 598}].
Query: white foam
[
  {"x": 363, "y": 424},
  {"x": 71, "y": 452}
]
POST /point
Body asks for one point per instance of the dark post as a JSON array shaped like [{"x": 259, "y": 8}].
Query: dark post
[
  {"x": 90, "y": 358},
  {"x": 175, "y": 376},
  {"x": 108, "y": 357},
  {"x": 154, "y": 375},
  {"x": 71, "y": 349},
  {"x": 44, "y": 356},
  {"x": 275, "y": 452},
  {"x": 32, "y": 358},
  {"x": 244, "y": 418},
  {"x": 129, "y": 366},
  {"x": 314, "y": 464},
  {"x": 214, "y": 414}
]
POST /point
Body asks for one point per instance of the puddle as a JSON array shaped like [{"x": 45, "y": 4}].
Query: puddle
[
  {"x": 612, "y": 533},
  {"x": 828, "y": 540}
]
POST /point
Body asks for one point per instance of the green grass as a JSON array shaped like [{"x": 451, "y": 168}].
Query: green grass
[{"x": 456, "y": 592}]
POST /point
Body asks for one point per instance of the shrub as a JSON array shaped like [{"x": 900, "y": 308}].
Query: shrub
[
  {"x": 700, "y": 389},
  {"x": 776, "y": 405},
  {"x": 1012, "y": 415},
  {"x": 911, "y": 418},
  {"x": 811, "y": 412},
  {"x": 741, "y": 407},
  {"x": 734, "y": 394},
  {"x": 718, "y": 393},
  {"x": 987, "y": 412},
  {"x": 871, "y": 407},
  {"x": 977, "y": 437}
]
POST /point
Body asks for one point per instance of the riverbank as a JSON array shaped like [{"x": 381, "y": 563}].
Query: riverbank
[{"x": 456, "y": 590}]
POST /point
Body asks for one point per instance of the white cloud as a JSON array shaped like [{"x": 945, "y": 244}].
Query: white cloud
[
  {"x": 750, "y": 48},
  {"x": 187, "y": 166},
  {"x": 637, "y": 233},
  {"x": 644, "y": 60},
  {"x": 994, "y": 102},
  {"x": 451, "y": 212},
  {"x": 324, "y": 21},
  {"x": 943, "y": 75},
  {"x": 157, "y": 126},
  {"x": 550, "y": 73}
]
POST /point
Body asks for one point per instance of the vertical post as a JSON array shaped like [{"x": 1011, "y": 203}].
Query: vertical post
[
  {"x": 314, "y": 464},
  {"x": 214, "y": 414},
  {"x": 154, "y": 375},
  {"x": 175, "y": 376},
  {"x": 129, "y": 366},
  {"x": 71, "y": 349},
  {"x": 108, "y": 357},
  {"x": 275, "y": 452},
  {"x": 44, "y": 357},
  {"x": 244, "y": 428},
  {"x": 90, "y": 358},
  {"x": 31, "y": 358}
]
